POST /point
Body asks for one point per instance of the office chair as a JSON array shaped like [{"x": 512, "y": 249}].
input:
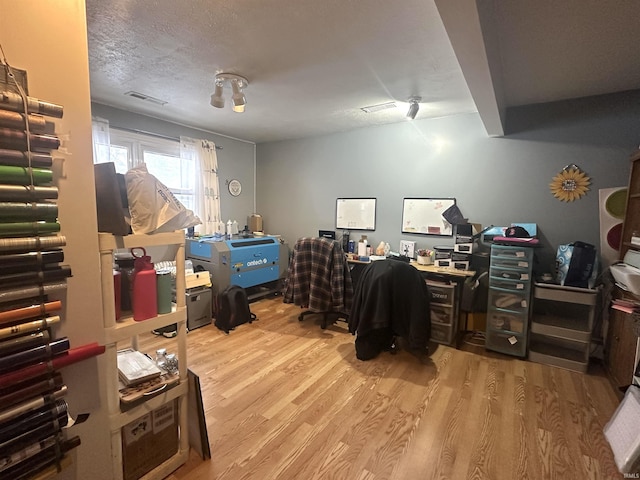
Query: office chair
[
  {"x": 319, "y": 279},
  {"x": 391, "y": 300}
]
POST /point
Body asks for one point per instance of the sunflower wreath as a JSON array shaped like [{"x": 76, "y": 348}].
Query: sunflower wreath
[{"x": 570, "y": 184}]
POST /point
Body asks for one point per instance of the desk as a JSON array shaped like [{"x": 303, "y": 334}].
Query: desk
[
  {"x": 445, "y": 289},
  {"x": 446, "y": 271}
]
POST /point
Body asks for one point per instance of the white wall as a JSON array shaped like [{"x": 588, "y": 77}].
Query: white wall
[{"x": 49, "y": 40}]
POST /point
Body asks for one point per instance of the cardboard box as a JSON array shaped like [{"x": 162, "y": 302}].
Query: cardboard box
[{"x": 149, "y": 441}]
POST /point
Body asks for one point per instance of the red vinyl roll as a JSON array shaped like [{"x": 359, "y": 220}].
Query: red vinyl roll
[{"x": 72, "y": 356}]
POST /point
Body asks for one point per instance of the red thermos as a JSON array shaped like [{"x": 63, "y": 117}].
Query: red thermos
[{"x": 144, "y": 297}]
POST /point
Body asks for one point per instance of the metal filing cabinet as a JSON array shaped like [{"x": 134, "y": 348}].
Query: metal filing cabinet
[
  {"x": 561, "y": 325},
  {"x": 444, "y": 312},
  {"x": 509, "y": 301}
]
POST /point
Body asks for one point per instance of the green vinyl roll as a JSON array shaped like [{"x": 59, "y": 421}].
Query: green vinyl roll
[
  {"x": 20, "y": 229},
  {"x": 25, "y": 212},
  {"x": 23, "y": 175}
]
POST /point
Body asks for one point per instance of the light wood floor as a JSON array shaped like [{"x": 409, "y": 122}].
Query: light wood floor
[{"x": 287, "y": 400}]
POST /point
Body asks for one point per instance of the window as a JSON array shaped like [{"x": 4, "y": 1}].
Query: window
[{"x": 162, "y": 158}]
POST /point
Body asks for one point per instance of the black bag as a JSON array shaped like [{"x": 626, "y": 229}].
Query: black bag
[{"x": 232, "y": 308}]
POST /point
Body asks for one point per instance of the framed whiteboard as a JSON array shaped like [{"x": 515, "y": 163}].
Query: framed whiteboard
[
  {"x": 424, "y": 216},
  {"x": 356, "y": 213}
]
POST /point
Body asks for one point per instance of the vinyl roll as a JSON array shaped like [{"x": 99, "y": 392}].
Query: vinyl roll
[
  {"x": 45, "y": 463},
  {"x": 71, "y": 356},
  {"x": 20, "y": 229},
  {"x": 23, "y": 391},
  {"x": 17, "y": 140},
  {"x": 35, "y": 276},
  {"x": 11, "y": 460},
  {"x": 34, "y": 355},
  {"x": 28, "y": 327},
  {"x": 13, "y": 101},
  {"x": 28, "y": 212},
  {"x": 26, "y": 193},
  {"x": 37, "y": 425},
  {"x": 20, "y": 158},
  {"x": 29, "y": 244},
  {"x": 24, "y": 342},
  {"x": 24, "y": 175},
  {"x": 17, "y": 120},
  {"x": 11, "y": 294},
  {"x": 30, "y": 405},
  {"x": 30, "y": 259}
]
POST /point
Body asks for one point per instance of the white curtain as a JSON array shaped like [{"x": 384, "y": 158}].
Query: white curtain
[
  {"x": 207, "y": 188},
  {"x": 101, "y": 140}
]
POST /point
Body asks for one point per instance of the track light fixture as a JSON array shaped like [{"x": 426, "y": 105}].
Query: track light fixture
[
  {"x": 216, "y": 99},
  {"x": 414, "y": 106},
  {"x": 237, "y": 83}
]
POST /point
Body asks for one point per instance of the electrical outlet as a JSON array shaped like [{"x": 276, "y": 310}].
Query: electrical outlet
[{"x": 407, "y": 248}]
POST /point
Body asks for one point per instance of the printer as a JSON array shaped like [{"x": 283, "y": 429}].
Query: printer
[
  {"x": 247, "y": 262},
  {"x": 627, "y": 273}
]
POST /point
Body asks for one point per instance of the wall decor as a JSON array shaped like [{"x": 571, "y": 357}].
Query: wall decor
[
  {"x": 235, "y": 187},
  {"x": 356, "y": 213},
  {"x": 424, "y": 216},
  {"x": 570, "y": 184}
]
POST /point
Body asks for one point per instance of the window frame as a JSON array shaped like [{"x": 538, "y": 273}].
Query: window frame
[{"x": 137, "y": 144}]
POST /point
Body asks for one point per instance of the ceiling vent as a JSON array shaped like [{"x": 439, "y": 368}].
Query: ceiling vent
[
  {"x": 377, "y": 108},
  {"x": 142, "y": 96}
]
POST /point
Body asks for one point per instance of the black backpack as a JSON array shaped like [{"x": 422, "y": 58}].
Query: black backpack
[{"x": 232, "y": 308}]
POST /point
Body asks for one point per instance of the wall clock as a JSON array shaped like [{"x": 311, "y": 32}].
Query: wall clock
[{"x": 235, "y": 187}]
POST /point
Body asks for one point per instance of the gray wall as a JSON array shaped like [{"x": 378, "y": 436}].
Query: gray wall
[
  {"x": 496, "y": 181},
  {"x": 235, "y": 159}
]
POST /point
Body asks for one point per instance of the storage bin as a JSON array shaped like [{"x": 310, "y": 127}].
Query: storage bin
[
  {"x": 441, "y": 333},
  {"x": 510, "y": 252},
  {"x": 508, "y": 343},
  {"x": 511, "y": 262},
  {"x": 510, "y": 273},
  {"x": 506, "y": 322},
  {"x": 442, "y": 294},
  {"x": 515, "y": 301},
  {"x": 441, "y": 314},
  {"x": 507, "y": 284}
]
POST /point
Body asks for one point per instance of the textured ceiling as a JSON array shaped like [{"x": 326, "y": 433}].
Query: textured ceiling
[{"x": 312, "y": 65}]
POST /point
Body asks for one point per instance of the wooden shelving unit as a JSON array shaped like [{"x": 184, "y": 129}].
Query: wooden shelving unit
[
  {"x": 621, "y": 345},
  {"x": 115, "y": 333}
]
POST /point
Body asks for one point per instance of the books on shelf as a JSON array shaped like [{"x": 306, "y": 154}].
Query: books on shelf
[{"x": 135, "y": 367}]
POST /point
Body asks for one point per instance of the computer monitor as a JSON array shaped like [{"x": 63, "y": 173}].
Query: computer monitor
[{"x": 327, "y": 234}]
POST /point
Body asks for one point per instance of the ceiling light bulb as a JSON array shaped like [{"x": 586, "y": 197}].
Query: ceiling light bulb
[
  {"x": 216, "y": 99},
  {"x": 413, "y": 107},
  {"x": 239, "y": 100}
]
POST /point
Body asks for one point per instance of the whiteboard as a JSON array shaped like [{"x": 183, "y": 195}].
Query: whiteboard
[
  {"x": 424, "y": 216},
  {"x": 356, "y": 213}
]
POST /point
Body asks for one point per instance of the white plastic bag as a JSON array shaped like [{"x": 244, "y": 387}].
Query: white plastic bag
[{"x": 153, "y": 207}]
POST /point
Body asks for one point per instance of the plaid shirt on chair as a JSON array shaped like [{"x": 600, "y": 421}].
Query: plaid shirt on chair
[{"x": 319, "y": 276}]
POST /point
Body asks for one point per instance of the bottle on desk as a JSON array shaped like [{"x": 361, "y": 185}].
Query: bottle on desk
[{"x": 362, "y": 246}]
